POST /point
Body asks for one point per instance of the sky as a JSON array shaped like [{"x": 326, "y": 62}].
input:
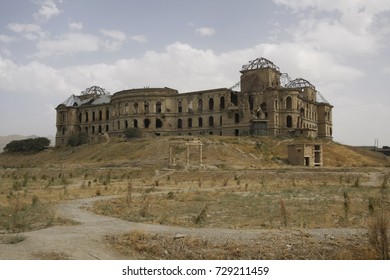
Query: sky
[{"x": 50, "y": 49}]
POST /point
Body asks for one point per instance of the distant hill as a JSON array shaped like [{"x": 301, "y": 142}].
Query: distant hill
[
  {"x": 4, "y": 140},
  {"x": 218, "y": 152}
]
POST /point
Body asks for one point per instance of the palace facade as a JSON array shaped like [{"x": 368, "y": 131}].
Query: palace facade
[{"x": 268, "y": 103}]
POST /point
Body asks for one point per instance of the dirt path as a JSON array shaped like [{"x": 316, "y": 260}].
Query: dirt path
[{"x": 85, "y": 241}]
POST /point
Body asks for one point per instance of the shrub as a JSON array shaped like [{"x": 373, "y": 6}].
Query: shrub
[
  {"x": 28, "y": 145},
  {"x": 78, "y": 139},
  {"x": 132, "y": 132},
  {"x": 378, "y": 233}
]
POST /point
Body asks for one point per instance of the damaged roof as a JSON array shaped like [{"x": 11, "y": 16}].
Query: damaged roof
[{"x": 91, "y": 96}]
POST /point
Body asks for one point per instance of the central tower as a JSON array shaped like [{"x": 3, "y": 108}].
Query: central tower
[{"x": 258, "y": 75}]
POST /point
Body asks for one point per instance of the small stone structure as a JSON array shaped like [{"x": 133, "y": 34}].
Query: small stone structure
[
  {"x": 174, "y": 142},
  {"x": 305, "y": 154}
]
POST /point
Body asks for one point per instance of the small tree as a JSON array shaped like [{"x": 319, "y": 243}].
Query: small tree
[
  {"x": 132, "y": 132},
  {"x": 78, "y": 139}
]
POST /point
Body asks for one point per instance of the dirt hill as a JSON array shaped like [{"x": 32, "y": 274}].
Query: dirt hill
[{"x": 218, "y": 152}]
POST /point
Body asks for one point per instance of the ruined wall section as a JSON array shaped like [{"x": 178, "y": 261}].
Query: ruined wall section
[{"x": 152, "y": 110}]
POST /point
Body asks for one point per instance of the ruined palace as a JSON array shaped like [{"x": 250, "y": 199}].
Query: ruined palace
[{"x": 264, "y": 102}]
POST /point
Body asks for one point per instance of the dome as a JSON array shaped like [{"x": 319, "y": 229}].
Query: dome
[
  {"x": 95, "y": 90},
  {"x": 258, "y": 63},
  {"x": 300, "y": 83}
]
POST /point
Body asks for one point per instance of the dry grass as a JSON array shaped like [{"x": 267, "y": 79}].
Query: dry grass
[
  {"x": 379, "y": 234},
  {"x": 224, "y": 152},
  {"x": 274, "y": 200},
  {"x": 245, "y": 184},
  {"x": 280, "y": 245}
]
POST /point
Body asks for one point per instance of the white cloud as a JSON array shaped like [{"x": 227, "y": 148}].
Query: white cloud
[
  {"x": 205, "y": 31},
  {"x": 33, "y": 78},
  {"x": 75, "y": 26},
  {"x": 179, "y": 66},
  {"x": 48, "y": 9},
  {"x": 139, "y": 38},
  {"x": 349, "y": 29},
  {"x": 386, "y": 71},
  {"x": 114, "y": 34},
  {"x": 6, "y": 39},
  {"x": 332, "y": 36},
  {"x": 29, "y": 31},
  {"x": 69, "y": 43},
  {"x": 344, "y": 6},
  {"x": 78, "y": 42},
  {"x": 117, "y": 39}
]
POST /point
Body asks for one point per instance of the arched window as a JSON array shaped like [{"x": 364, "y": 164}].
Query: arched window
[
  {"x": 211, "y": 121},
  {"x": 234, "y": 98},
  {"x": 107, "y": 114},
  {"x": 135, "y": 108},
  {"x": 211, "y": 104},
  {"x": 158, "y": 107},
  {"x": 86, "y": 117},
  {"x": 289, "y": 103},
  {"x": 263, "y": 107},
  {"x": 63, "y": 130},
  {"x": 126, "y": 124},
  {"x": 93, "y": 116},
  {"x": 107, "y": 128},
  {"x": 100, "y": 115},
  {"x": 159, "y": 123},
  {"x": 200, "y": 105},
  {"x": 146, "y": 107},
  {"x": 135, "y": 123},
  {"x": 179, "y": 123},
  {"x": 251, "y": 102},
  {"x": 222, "y": 102},
  {"x": 200, "y": 122},
  {"x": 289, "y": 121},
  {"x": 80, "y": 117},
  {"x": 189, "y": 122},
  {"x": 146, "y": 123},
  {"x": 179, "y": 106},
  {"x": 100, "y": 129},
  {"x": 93, "y": 129},
  {"x": 236, "y": 118}
]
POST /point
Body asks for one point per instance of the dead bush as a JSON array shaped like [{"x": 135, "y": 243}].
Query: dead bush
[{"x": 378, "y": 233}]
